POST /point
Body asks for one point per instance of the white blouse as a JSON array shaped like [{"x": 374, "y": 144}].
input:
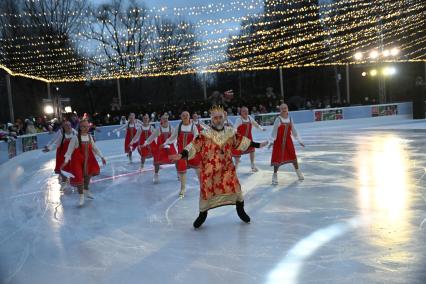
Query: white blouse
[
  {"x": 74, "y": 145},
  {"x": 184, "y": 128},
  {"x": 56, "y": 141},
  {"x": 240, "y": 121},
  {"x": 137, "y": 124},
  {"x": 278, "y": 122},
  {"x": 157, "y": 133},
  {"x": 139, "y": 132}
]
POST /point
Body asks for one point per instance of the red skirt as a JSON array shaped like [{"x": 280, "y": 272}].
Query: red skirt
[
  {"x": 161, "y": 155},
  {"x": 283, "y": 151},
  {"x": 130, "y": 133},
  {"x": 146, "y": 152},
  {"x": 183, "y": 164},
  {"x": 244, "y": 130},
  {"x": 78, "y": 167},
  {"x": 60, "y": 157}
]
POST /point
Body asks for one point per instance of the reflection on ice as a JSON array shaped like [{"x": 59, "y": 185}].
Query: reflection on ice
[
  {"x": 383, "y": 185},
  {"x": 288, "y": 270}
]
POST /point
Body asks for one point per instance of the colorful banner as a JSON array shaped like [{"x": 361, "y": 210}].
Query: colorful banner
[
  {"x": 29, "y": 143},
  {"x": 328, "y": 114},
  {"x": 266, "y": 119},
  {"x": 384, "y": 110},
  {"x": 11, "y": 148}
]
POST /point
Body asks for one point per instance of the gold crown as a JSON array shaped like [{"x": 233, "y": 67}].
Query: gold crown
[{"x": 216, "y": 109}]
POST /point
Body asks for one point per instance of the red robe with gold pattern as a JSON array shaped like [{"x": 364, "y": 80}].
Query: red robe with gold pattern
[{"x": 219, "y": 184}]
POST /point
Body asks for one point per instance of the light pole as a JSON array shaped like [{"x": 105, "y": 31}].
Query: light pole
[{"x": 57, "y": 103}]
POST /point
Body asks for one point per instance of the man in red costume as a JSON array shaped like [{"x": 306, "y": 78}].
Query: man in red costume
[{"x": 218, "y": 179}]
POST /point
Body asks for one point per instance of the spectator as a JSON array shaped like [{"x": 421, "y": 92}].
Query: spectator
[
  {"x": 216, "y": 98},
  {"x": 29, "y": 127},
  {"x": 270, "y": 95},
  {"x": 75, "y": 122}
]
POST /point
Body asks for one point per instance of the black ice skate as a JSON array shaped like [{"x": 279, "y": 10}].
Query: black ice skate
[
  {"x": 241, "y": 213},
  {"x": 200, "y": 219}
]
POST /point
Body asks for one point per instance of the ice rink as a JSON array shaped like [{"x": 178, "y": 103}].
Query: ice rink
[{"x": 358, "y": 217}]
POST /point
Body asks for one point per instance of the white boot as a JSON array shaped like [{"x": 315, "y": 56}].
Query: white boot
[
  {"x": 299, "y": 174},
  {"x": 253, "y": 168},
  {"x": 274, "y": 179},
  {"x": 88, "y": 194},
  {"x": 182, "y": 185},
  {"x": 81, "y": 201},
  {"x": 156, "y": 178}
]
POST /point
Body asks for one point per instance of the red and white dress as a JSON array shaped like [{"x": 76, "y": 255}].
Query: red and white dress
[
  {"x": 131, "y": 129},
  {"x": 185, "y": 134},
  {"x": 283, "y": 151},
  {"x": 81, "y": 158},
  {"x": 161, "y": 155},
  {"x": 61, "y": 143},
  {"x": 200, "y": 125},
  {"x": 244, "y": 127},
  {"x": 142, "y": 135}
]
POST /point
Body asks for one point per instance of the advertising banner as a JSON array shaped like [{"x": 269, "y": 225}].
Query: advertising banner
[
  {"x": 328, "y": 114},
  {"x": 384, "y": 110},
  {"x": 29, "y": 143}
]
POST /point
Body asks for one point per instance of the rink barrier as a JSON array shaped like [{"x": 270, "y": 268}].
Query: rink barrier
[{"x": 38, "y": 141}]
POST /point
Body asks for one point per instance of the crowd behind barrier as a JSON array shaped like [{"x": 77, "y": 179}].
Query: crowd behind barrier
[{"x": 13, "y": 147}]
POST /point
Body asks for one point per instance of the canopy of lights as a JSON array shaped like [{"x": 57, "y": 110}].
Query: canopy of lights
[{"x": 86, "y": 42}]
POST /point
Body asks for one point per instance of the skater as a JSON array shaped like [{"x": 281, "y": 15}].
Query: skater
[
  {"x": 61, "y": 142},
  {"x": 131, "y": 128},
  {"x": 219, "y": 184},
  {"x": 184, "y": 134},
  {"x": 81, "y": 156},
  {"x": 243, "y": 125},
  {"x": 283, "y": 151},
  {"x": 142, "y": 134},
  {"x": 198, "y": 123},
  {"x": 161, "y": 152}
]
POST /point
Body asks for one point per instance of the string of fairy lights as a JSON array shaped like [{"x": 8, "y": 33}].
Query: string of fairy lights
[{"x": 228, "y": 36}]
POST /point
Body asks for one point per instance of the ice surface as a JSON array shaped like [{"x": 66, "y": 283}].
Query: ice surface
[{"x": 358, "y": 217}]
